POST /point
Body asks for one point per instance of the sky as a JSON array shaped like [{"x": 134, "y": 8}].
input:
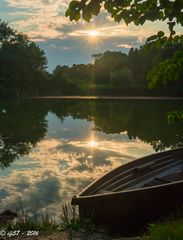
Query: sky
[{"x": 67, "y": 43}]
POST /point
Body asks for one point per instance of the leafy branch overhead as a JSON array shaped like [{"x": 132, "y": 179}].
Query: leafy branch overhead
[{"x": 136, "y": 11}]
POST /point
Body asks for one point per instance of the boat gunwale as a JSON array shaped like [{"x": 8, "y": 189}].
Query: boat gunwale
[{"x": 79, "y": 197}]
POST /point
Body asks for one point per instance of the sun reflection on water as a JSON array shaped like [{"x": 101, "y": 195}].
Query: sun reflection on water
[{"x": 92, "y": 142}]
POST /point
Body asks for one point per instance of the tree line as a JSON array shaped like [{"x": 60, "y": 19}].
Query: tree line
[{"x": 23, "y": 69}]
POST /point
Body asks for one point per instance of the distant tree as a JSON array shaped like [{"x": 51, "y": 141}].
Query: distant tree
[
  {"x": 103, "y": 68},
  {"x": 65, "y": 79},
  {"x": 122, "y": 78}
]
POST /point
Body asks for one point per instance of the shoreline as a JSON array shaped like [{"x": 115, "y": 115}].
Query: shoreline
[{"x": 108, "y": 97}]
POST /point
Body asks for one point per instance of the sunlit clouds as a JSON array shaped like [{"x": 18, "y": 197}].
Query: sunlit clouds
[
  {"x": 44, "y": 19},
  {"x": 109, "y": 30},
  {"x": 75, "y": 42},
  {"x": 124, "y": 46}
]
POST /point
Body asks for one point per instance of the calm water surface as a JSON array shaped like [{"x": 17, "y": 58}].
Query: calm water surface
[{"x": 52, "y": 149}]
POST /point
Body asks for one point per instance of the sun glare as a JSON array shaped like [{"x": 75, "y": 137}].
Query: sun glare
[
  {"x": 93, "y": 33},
  {"x": 92, "y": 143}
]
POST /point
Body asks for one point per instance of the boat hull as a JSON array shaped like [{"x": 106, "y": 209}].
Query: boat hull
[{"x": 130, "y": 211}]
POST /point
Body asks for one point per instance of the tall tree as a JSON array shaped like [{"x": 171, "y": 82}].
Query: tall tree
[{"x": 22, "y": 63}]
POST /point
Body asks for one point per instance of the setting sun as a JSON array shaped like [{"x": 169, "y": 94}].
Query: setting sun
[
  {"x": 92, "y": 143},
  {"x": 93, "y": 33}
]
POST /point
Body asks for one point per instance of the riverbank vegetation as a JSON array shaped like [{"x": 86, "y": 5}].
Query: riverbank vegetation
[
  {"x": 172, "y": 230},
  {"x": 72, "y": 227},
  {"x": 23, "y": 69}
]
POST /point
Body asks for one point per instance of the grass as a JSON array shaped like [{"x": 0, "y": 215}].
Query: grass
[
  {"x": 69, "y": 220},
  {"x": 170, "y": 230},
  {"x": 70, "y": 217},
  {"x": 24, "y": 221}
]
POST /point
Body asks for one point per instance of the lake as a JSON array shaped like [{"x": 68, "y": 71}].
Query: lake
[{"x": 50, "y": 149}]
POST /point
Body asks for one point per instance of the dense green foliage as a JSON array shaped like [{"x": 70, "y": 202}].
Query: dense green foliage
[
  {"x": 128, "y": 74},
  {"x": 22, "y": 65},
  {"x": 170, "y": 67},
  {"x": 66, "y": 80}
]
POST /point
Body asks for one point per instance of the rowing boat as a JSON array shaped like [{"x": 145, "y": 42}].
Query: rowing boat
[{"x": 135, "y": 194}]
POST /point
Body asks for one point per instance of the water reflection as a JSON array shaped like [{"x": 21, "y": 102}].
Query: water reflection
[
  {"x": 22, "y": 126},
  {"x": 60, "y": 146}
]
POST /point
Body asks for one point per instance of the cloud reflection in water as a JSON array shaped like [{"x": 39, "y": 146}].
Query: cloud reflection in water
[{"x": 61, "y": 166}]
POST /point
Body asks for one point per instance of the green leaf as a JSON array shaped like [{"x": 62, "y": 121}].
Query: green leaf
[
  {"x": 74, "y": 4},
  {"x": 117, "y": 18},
  {"x": 77, "y": 16},
  {"x": 151, "y": 38},
  {"x": 142, "y": 20},
  {"x": 176, "y": 39},
  {"x": 95, "y": 8},
  {"x": 87, "y": 15},
  {"x": 136, "y": 21},
  {"x": 108, "y": 6},
  {"x": 68, "y": 12},
  {"x": 160, "y": 34}
]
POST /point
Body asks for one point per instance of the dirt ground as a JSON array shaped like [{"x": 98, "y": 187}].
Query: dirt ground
[{"x": 70, "y": 236}]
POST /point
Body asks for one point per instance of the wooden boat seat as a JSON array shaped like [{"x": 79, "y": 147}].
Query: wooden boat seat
[
  {"x": 154, "y": 182},
  {"x": 139, "y": 180},
  {"x": 162, "y": 180},
  {"x": 102, "y": 191},
  {"x": 143, "y": 167}
]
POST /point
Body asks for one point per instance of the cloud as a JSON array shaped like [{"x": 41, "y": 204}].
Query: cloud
[
  {"x": 44, "y": 19},
  {"x": 66, "y": 42},
  {"x": 40, "y": 18},
  {"x": 124, "y": 45}
]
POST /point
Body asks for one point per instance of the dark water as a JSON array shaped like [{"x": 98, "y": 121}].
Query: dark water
[{"x": 52, "y": 149}]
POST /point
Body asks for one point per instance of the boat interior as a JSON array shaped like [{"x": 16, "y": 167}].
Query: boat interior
[{"x": 163, "y": 170}]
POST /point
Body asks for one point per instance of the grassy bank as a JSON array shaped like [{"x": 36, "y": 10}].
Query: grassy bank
[
  {"x": 71, "y": 227},
  {"x": 169, "y": 230}
]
